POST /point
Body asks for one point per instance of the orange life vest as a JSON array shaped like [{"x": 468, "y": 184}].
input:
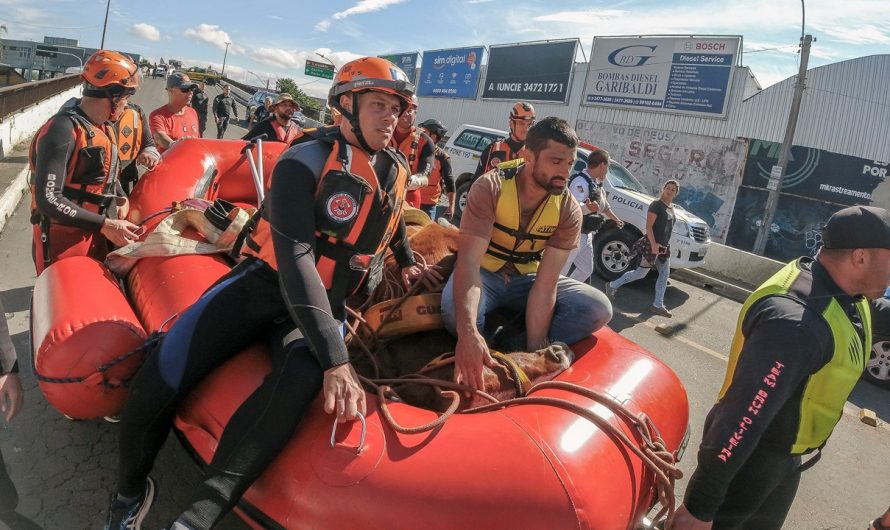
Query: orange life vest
[
  {"x": 128, "y": 131},
  {"x": 354, "y": 218},
  {"x": 410, "y": 147},
  {"x": 500, "y": 152},
  {"x": 430, "y": 193},
  {"x": 285, "y": 134},
  {"x": 94, "y": 165}
]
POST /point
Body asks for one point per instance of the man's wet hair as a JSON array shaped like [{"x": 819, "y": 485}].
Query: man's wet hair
[{"x": 550, "y": 128}]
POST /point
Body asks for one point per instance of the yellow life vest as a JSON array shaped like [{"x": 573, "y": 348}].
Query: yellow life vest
[
  {"x": 827, "y": 390},
  {"x": 521, "y": 247}
]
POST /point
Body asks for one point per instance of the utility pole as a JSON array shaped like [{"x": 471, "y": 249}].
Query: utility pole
[
  {"x": 777, "y": 175},
  {"x": 223, "y": 73},
  {"x": 105, "y": 26}
]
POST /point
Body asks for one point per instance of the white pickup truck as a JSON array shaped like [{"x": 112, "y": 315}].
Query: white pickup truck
[{"x": 629, "y": 200}]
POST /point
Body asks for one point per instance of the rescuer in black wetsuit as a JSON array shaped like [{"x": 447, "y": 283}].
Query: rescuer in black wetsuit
[
  {"x": 802, "y": 341},
  {"x": 291, "y": 289}
]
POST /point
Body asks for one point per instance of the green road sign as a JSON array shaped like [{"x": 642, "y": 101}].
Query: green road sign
[{"x": 316, "y": 69}]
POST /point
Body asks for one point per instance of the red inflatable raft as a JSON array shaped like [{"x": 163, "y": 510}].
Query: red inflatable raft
[{"x": 531, "y": 466}]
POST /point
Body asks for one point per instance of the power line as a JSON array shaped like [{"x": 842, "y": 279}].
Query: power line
[{"x": 771, "y": 49}]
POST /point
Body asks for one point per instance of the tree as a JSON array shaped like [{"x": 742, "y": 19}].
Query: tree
[
  {"x": 286, "y": 84},
  {"x": 143, "y": 63}
]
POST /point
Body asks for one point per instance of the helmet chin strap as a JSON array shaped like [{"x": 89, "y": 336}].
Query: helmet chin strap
[{"x": 356, "y": 126}]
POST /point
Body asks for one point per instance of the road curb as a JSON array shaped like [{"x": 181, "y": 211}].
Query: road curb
[
  {"x": 12, "y": 195},
  {"x": 721, "y": 287}
]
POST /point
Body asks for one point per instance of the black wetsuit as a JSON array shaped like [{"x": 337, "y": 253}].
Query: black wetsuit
[
  {"x": 252, "y": 302},
  {"x": 755, "y": 486}
]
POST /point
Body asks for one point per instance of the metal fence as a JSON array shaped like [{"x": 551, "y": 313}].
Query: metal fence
[{"x": 17, "y": 97}]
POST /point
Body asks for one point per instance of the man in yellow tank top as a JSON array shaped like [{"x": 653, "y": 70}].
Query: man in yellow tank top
[
  {"x": 520, "y": 224},
  {"x": 801, "y": 342}
]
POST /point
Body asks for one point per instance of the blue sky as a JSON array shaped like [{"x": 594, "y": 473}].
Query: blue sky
[{"x": 273, "y": 38}]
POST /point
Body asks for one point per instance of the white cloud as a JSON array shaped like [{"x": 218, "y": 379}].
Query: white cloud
[
  {"x": 278, "y": 57},
  {"x": 479, "y": 1},
  {"x": 212, "y": 34},
  {"x": 366, "y": 6},
  {"x": 363, "y": 6},
  {"x": 867, "y": 34},
  {"x": 276, "y": 17},
  {"x": 145, "y": 31}
]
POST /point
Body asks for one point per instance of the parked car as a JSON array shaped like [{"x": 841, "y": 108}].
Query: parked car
[
  {"x": 629, "y": 200},
  {"x": 877, "y": 370},
  {"x": 161, "y": 70},
  {"x": 255, "y": 101}
]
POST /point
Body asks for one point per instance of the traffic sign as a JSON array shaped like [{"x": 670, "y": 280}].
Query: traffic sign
[
  {"x": 46, "y": 51},
  {"x": 316, "y": 69}
]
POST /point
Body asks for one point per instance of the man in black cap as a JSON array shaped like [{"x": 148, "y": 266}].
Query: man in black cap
[{"x": 802, "y": 341}]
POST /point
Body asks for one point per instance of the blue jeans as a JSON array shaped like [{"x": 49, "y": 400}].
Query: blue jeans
[
  {"x": 579, "y": 311},
  {"x": 430, "y": 210},
  {"x": 664, "y": 271}
]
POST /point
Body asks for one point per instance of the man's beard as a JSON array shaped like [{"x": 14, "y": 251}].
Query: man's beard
[{"x": 283, "y": 117}]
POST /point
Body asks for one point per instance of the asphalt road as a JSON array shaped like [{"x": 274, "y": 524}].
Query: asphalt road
[{"x": 65, "y": 470}]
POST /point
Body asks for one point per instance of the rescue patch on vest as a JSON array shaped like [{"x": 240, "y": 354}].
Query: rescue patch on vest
[
  {"x": 495, "y": 161},
  {"x": 341, "y": 207},
  {"x": 126, "y": 131},
  {"x": 125, "y": 148}
]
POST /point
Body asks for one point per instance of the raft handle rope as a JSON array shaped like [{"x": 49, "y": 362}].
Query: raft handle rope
[
  {"x": 361, "y": 441},
  {"x": 652, "y": 451},
  {"x": 145, "y": 347}
]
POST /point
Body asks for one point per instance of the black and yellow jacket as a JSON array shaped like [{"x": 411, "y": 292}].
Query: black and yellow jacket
[{"x": 800, "y": 346}]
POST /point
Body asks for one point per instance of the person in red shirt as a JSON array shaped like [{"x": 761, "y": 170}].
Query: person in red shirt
[{"x": 175, "y": 120}]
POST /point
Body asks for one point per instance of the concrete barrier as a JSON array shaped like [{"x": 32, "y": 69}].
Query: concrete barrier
[
  {"x": 21, "y": 126},
  {"x": 746, "y": 269}
]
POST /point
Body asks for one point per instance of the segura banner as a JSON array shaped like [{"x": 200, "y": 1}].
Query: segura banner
[
  {"x": 406, "y": 61},
  {"x": 679, "y": 75},
  {"x": 535, "y": 71},
  {"x": 450, "y": 73}
]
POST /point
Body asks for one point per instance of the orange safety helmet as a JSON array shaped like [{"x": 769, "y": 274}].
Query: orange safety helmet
[
  {"x": 522, "y": 111},
  {"x": 108, "y": 74},
  {"x": 368, "y": 74}
]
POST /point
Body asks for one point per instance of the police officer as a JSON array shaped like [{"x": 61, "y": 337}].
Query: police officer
[
  {"x": 200, "y": 102},
  {"x": 587, "y": 187},
  {"x": 802, "y": 341}
]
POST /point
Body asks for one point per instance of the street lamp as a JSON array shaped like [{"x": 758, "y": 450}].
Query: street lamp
[
  {"x": 223, "y": 73},
  {"x": 328, "y": 60},
  {"x": 105, "y": 25}
]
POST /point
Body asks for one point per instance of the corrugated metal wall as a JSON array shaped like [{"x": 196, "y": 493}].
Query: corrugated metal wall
[{"x": 845, "y": 109}]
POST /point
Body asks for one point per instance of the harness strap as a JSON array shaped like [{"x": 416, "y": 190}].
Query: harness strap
[
  {"x": 506, "y": 254},
  {"x": 523, "y": 383},
  {"x": 244, "y": 236},
  {"x": 519, "y": 234}
]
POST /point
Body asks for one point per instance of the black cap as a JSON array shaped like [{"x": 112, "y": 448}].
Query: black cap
[{"x": 858, "y": 227}]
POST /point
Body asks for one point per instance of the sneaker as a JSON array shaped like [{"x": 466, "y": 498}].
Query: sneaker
[
  {"x": 123, "y": 516},
  {"x": 610, "y": 291},
  {"x": 660, "y": 311}
]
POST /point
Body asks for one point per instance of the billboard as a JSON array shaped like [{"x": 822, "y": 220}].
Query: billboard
[
  {"x": 450, "y": 73},
  {"x": 817, "y": 184},
  {"x": 680, "y": 75},
  {"x": 406, "y": 61},
  {"x": 709, "y": 169},
  {"x": 535, "y": 71}
]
